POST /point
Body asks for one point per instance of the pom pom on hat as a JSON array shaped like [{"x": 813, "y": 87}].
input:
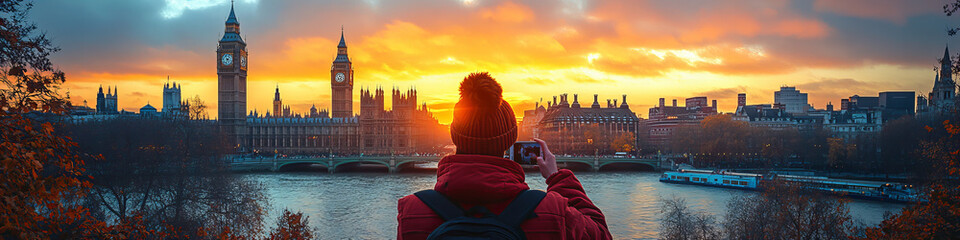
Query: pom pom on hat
[{"x": 481, "y": 91}]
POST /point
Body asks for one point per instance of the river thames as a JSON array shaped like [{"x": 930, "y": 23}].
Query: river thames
[{"x": 364, "y": 205}]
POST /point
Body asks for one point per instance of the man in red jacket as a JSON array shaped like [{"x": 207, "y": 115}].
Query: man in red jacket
[{"x": 483, "y": 128}]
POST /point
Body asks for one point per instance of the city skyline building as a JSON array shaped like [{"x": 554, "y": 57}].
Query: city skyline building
[
  {"x": 148, "y": 111},
  {"x": 232, "y": 80},
  {"x": 572, "y": 129},
  {"x": 792, "y": 99},
  {"x": 896, "y": 104},
  {"x": 859, "y": 102},
  {"x": 171, "y": 97},
  {"x": 107, "y": 103},
  {"x": 943, "y": 95},
  {"x": 775, "y": 117},
  {"x": 663, "y": 120}
]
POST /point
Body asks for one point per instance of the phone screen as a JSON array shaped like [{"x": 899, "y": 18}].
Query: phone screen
[{"x": 525, "y": 152}]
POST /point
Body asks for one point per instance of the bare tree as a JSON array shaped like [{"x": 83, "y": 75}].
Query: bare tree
[
  {"x": 28, "y": 77},
  {"x": 679, "y": 222},
  {"x": 787, "y": 211},
  {"x": 170, "y": 172},
  {"x": 197, "y": 108}
]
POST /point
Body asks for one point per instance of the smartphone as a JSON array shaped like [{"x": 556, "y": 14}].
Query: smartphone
[{"x": 525, "y": 152}]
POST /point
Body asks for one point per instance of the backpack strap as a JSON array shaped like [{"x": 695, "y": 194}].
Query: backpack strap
[
  {"x": 522, "y": 207},
  {"x": 439, "y": 204}
]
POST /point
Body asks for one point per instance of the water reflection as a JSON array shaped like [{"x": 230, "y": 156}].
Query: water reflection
[{"x": 364, "y": 205}]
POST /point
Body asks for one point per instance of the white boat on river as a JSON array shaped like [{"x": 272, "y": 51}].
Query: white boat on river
[{"x": 871, "y": 190}]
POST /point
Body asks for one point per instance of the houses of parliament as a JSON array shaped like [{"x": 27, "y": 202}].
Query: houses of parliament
[{"x": 407, "y": 128}]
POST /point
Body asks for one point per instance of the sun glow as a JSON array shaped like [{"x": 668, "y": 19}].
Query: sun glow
[
  {"x": 692, "y": 57},
  {"x": 451, "y": 61},
  {"x": 593, "y": 56}
]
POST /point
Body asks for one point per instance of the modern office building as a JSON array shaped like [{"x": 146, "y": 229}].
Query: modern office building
[{"x": 792, "y": 99}]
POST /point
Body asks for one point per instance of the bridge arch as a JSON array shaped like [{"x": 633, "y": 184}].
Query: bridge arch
[
  {"x": 627, "y": 166},
  {"x": 410, "y": 161},
  {"x": 409, "y": 166},
  {"x": 576, "y": 165},
  {"x": 355, "y": 164},
  {"x": 298, "y": 166}
]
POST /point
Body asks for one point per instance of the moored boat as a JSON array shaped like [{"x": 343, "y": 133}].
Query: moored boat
[
  {"x": 871, "y": 190},
  {"x": 724, "y": 179}
]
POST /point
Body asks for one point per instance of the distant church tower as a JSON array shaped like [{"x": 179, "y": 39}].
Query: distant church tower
[
  {"x": 232, "y": 84},
  {"x": 111, "y": 100},
  {"x": 944, "y": 88},
  {"x": 341, "y": 82},
  {"x": 107, "y": 103},
  {"x": 171, "y": 97},
  {"x": 101, "y": 101}
]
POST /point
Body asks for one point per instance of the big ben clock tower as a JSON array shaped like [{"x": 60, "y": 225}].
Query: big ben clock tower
[
  {"x": 341, "y": 82},
  {"x": 232, "y": 81}
]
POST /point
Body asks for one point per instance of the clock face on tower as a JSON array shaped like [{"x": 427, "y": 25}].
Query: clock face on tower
[
  {"x": 243, "y": 61},
  {"x": 340, "y": 77},
  {"x": 227, "y": 59}
]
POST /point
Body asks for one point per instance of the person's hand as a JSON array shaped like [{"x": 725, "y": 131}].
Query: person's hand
[{"x": 547, "y": 162}]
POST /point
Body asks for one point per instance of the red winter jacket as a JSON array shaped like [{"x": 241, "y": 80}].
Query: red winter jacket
[{"x": 493, "y": 182}]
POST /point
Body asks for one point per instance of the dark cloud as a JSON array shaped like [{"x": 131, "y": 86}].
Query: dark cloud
[
  {"x": 896, "y": 11},
  {"x": 841, "y": 84},
  {"x": 833, "y": 89}
]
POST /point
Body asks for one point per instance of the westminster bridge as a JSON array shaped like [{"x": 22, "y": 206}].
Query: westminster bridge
[{"x": 395, "y": 164}]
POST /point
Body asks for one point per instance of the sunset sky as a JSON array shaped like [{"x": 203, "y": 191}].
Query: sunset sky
[{"x": 536, "y": 49}]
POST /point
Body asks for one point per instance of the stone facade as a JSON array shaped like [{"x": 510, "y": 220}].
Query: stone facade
[
  {"x": 107, "y": 103},
  {"x": 665, "y": 120},
  {"x": 942, "y": 97},
  {"x": 575, "y": 130},
  {"x": 232, "y": 81}
]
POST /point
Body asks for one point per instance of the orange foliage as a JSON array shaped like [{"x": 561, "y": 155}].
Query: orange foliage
[
  {"x": 939, "y": 216},
  {"x": 292, "y": 226},
  {"x": 623, "y": 142},
  {"x": 41, "y": 180},
  {"x": 42, "y": 185}
]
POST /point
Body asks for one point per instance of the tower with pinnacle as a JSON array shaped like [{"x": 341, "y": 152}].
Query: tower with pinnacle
[
  {"x": 341, "y": 82},
  {"x": 232, "y": 80}
]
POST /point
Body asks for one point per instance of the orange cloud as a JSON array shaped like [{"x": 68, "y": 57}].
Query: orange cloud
[
  {"x": 735, "y": 23},
  {"x": 711, "y": 27},
  {"x": 508, "y": 12}
]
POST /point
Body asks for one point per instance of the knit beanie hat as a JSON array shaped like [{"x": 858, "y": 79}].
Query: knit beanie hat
[{"x": 483, "y": 123}]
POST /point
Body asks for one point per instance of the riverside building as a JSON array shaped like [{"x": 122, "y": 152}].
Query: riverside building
[
  {"x": 577, "y": 130},
  {"x": 404, "y": 130}
]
